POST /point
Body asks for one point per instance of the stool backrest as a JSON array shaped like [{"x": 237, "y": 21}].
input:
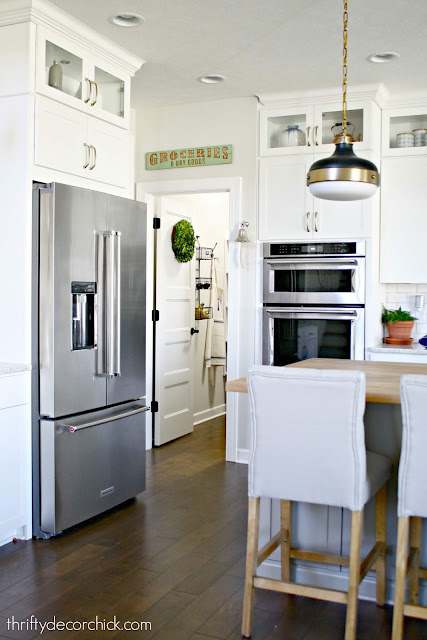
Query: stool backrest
[
  {"x": 412, "y": 488},
  {"x": 308, "y": 440}
]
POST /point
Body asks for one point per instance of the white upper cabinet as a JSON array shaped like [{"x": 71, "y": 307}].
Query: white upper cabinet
[
  {"x": 69, "y": 141},
  {"x": 70, "y": 74},
  {"x": 403, "y": 220},
  {"x": 284, "y": 201},
  {"x": 404, "y": 131},
  {"x": 288, "y": 211},
  {"x": 312, "y": 127}
]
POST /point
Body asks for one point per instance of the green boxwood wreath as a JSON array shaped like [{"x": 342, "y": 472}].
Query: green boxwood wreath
[{"x": 183, "y": 241}]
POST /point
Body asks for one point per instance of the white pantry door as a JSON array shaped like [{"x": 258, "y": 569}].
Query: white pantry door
[{"x": 174, "y": 348}]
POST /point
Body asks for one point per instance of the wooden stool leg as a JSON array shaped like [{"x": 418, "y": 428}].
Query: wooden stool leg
[
  {"x": 251, "y": 566},
  {"x": 354, "y": 573},
  {"x": 286, "y": 526},
  {"x": 381, "y": 536},
  {"x": 401, "y": 563},
  {"x": 415, "y": 543}
]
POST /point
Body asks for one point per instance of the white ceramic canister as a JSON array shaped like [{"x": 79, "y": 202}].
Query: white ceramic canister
[
  {"x": 420, "y": 137},
  {"x": 405, "y": 140}
]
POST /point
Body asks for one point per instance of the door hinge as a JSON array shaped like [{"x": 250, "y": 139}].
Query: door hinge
[
  {"x": 155, "y": 315},
  {"x": 154, "y": 406},
  {"x": 156, "y": 223}
]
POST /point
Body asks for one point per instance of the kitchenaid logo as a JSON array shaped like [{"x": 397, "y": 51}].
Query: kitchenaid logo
[{"x": 191, "y": 157}]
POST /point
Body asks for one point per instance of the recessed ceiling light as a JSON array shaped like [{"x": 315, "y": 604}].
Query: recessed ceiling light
[
  {"x": 127, "y": 19},
  {"x": 384, "y": 56},
  {"x": 212, "y": 78}
]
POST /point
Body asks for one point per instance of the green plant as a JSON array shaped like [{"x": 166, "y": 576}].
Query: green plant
[
  {"x": 396, "y": 315},
  {"x": 183, "y": 241}
]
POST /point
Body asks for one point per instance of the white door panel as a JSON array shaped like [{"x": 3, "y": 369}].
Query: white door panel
[{"x": 175, "y": 295}]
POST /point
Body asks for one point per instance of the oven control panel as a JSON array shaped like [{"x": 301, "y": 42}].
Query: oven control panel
[{"x": 314, "y": 248}]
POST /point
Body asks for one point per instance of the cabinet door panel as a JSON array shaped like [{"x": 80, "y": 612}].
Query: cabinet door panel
[
  {"x": 341, "y": 220},
  {"x": 285, "y": 200},
  {"x": 403, "y": 220},
  {"x": 14, "y": 434},
  {"x": 112, "y": 148},
  {"x": 59, "y": 137}
]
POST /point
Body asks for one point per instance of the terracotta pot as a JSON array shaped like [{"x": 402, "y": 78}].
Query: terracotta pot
[{"x": 400, "y": 330}]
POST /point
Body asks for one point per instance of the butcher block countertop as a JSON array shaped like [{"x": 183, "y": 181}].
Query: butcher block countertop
[{"x": 382, "y": 378}]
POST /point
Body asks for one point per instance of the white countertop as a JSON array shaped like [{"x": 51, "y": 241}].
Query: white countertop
[
  {"x": 10, "y": 368},
  {"x": 408, "y": 349}
]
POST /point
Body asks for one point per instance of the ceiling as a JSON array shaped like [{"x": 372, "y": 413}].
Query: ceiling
[{"x": 261, "y": 46}]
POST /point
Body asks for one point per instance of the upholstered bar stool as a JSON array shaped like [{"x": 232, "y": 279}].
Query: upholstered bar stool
[
  {"x": 308, "y": 445},
  {"x": 411, "y": 500}
]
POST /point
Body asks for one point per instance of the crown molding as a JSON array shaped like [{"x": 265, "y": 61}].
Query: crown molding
[
  {"x": 44, "y": 13},
  {"x": 378, "y": 93},
  {"x": 414, "y": 99}
]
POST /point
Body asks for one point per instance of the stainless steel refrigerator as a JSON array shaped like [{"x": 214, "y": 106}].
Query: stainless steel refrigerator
[{"x": 89, "y": 354}]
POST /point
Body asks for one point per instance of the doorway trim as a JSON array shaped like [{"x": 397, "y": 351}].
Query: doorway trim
[{"x": 146, "y": 192}]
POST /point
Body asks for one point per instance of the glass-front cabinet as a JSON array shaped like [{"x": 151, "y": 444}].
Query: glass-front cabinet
[
  {"x": 69, "y": 74},
  {"x": 312, "y": 127},
  {"x": 404, "y": 131}
]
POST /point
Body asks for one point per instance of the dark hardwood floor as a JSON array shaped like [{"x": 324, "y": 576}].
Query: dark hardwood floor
[{"x": 173, "y": 557}]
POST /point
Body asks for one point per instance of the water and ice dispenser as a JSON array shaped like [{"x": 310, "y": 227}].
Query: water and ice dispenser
[{"x": 84, "y": 315}]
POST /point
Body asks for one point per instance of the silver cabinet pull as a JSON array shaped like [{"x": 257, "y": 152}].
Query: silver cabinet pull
[
  {"x": 315, "y": 135},
  {"x": 93, "y": 165},
  {"x": 94, "y": 101},
  {"x": 85, "y": 166},
  {"x": 308, "y": 137},
  {"x": 316, "y": 215},
  {"x": 307, "y": 221},
  {"x": 89, "y": 90}
]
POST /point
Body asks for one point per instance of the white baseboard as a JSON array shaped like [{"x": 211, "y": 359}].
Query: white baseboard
[
  {"x": 243, "y": 456},
  {"x": 208, "y": 414},
  {"x": 317, "y": 577}
]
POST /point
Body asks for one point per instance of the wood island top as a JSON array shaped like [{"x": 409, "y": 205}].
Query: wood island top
[{"x": 382, "y": 378}]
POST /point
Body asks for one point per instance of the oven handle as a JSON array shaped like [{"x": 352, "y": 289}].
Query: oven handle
[
  {"x": 339, "y": 313},
  {"x": 338, "y": 263}
]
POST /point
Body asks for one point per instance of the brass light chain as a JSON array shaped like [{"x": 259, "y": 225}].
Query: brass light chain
[{"x": 344, "y": 70}]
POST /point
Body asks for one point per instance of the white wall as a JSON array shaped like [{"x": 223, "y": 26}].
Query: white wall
[
  {"x": 214, "y": 123},
  {"x": 210, "y": 223}
]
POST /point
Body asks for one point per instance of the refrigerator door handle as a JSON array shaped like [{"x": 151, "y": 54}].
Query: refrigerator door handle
[
  {"x": 109, "y": 277},
  {"x": 72, "y": 428},
  {"x": 116, "y": 305}
]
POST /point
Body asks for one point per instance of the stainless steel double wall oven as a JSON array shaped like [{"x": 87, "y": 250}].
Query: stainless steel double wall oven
[{"x": 313, "y": 301}]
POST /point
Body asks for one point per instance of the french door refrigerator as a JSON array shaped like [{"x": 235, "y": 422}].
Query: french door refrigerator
[{"x": 89, "y": 422}]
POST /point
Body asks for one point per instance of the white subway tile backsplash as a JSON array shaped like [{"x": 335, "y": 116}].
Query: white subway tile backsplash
[
  {"x": 421, "y": 328},
  {"x": 422, "y": 288},
  {"x": 400, "y": 298},
  {"x": 405, "y": 288}
]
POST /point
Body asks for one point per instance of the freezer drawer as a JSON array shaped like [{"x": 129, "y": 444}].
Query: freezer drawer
[{"x": 90, "y": 463}]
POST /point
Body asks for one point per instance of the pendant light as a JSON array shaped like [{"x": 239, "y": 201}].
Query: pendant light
[{"x": 343, "y": 176}]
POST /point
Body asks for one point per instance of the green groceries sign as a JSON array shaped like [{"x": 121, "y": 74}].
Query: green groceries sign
[{"x": 193, "y": 157}]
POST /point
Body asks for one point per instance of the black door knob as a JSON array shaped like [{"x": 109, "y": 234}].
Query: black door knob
[{"x": 194, "y": 330}]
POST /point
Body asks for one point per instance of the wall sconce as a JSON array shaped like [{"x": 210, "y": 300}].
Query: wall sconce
[{"x": 242, "y": 236}]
